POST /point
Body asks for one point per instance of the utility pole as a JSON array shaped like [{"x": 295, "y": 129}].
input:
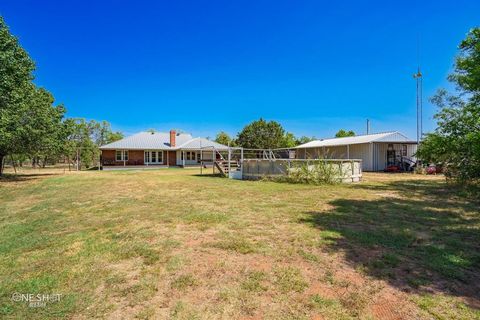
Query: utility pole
[
  {"x": 419, "y": 79},
  {"x": 368, "y": 126}
]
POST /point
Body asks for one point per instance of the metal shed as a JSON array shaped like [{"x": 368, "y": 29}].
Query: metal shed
[{"x": 377, "y": 151}]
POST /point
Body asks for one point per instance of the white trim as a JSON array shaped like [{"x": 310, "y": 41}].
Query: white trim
[
  {"x": 150, "y": 154},
  {"x": 122, "y": 155}
]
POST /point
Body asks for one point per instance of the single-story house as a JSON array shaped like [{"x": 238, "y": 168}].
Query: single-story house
[
  {"x": 160, "y": 148},
  {"x": 377, "y": 151}
]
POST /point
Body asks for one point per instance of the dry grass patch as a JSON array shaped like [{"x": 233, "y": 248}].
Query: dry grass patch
[{"x": 162, "y": 244}]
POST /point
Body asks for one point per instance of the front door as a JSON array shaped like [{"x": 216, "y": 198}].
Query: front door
[{"x": 153, "y": 157}]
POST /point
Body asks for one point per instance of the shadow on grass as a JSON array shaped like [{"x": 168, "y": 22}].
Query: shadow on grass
[
  {"x": 422, "y": 238},
  {"x": 209, "y": 175},
  {"x": 12, "y": 177}
]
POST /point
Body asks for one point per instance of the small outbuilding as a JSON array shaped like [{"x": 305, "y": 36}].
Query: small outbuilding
[{"x": 377, "y": 151}]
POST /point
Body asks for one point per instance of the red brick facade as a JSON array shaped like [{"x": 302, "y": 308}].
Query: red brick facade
[
  {"x": 172, "y": 138},
  {"x": 136, "y": 157}
]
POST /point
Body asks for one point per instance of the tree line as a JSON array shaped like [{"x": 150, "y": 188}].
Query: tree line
[
  {"x": 32, "y": 126},
  {"x": 262, "y": 134}
]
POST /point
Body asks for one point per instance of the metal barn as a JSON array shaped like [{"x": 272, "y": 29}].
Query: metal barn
[{"x": 377, "y": 151}]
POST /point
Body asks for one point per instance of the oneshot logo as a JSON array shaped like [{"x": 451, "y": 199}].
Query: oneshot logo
[{"x": 36, "y": 300}]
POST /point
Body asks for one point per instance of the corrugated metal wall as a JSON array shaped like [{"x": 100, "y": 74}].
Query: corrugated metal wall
[
  {"x": 373, "y": 155},
  {"x": 365, "y": 152},
  {"x": 357, "y": 151}
]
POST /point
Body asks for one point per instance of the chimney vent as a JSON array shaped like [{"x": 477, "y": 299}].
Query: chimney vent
[{"x": 172, "y": 138}]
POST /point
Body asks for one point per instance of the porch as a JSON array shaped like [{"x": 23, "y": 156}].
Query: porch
[
  {"x": 156, "y": 158},
  {"x": 135, "y": 167}
]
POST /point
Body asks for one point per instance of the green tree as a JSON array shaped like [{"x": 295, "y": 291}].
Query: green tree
[
  {"x": 101, "y": 133},
  {"x": 43, "y": 128},
  {"x": 289, "y": 140},
  {"x": 28, "y": 120},
  {"x": 223, "y": 138},
  {"x": 261, "y": 134},
  {"x": 344, "y": 133},
  {"x": 86, "y": 137},
  {"x": 114, "y": 136},
  {"x": 16, "y": 73},
  {"x": 83, "y": 147},
  {"x": 305, "y": 139},
  {"x": 456, "y": 140}
]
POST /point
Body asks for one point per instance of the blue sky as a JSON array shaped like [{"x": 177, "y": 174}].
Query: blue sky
[{"x": 206, "y": 66}]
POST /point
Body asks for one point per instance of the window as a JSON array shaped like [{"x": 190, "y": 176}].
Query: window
[
  {"x": 121, "y": 155},
  {"x": 153, "y": 157},
  {"x": 404, "y": 150},
  {"x": 189, "y": 155}
]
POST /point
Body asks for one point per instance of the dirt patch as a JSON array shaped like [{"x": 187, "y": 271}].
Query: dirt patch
[{"x": 390, "y": 304}]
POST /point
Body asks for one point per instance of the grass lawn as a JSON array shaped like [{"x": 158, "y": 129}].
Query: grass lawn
[{"x": 168, "y": 243}]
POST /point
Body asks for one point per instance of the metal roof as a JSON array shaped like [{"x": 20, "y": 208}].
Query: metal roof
[
  {"x": 393, "y": 136},
  {"x": 201, "y": 143},
  {"x": 160, "y": 141}
]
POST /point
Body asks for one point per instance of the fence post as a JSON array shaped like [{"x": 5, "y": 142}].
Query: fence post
[
  {"x": 241, "y": 160},
  {"x": 229, "y": 158}
]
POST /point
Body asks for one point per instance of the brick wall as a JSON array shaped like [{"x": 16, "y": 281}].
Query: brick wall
[{"x": 135, "y": 157}]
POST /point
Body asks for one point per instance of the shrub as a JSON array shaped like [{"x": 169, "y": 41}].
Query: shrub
[{"x": 315, "y": 172}]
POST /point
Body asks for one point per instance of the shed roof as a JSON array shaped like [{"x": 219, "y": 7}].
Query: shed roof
[
  {"x": 392, "y": 136},
  {"x": 160, "y": 141}
]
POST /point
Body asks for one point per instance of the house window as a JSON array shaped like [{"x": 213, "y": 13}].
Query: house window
[
  {"x": 404, "y": 150},
  {"x": 160, "y": 156},
  {"x": 154, "y": 156},
  {"x": 121, "y": 155}
]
